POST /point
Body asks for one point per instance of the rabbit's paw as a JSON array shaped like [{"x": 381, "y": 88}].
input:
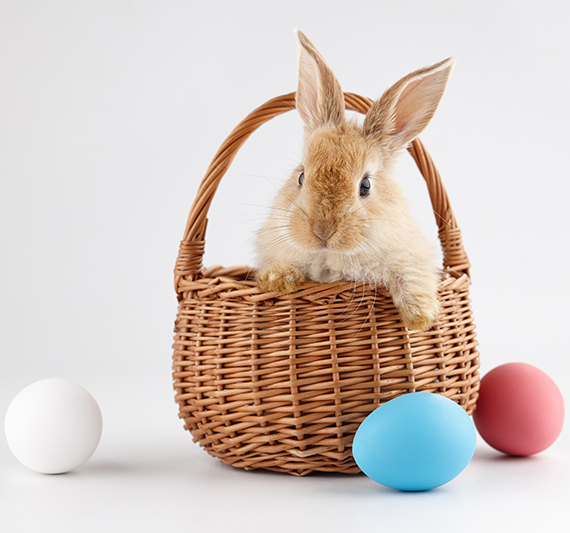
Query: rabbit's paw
[
  {"x": 281, "y": 279},
  {"x": 420, "y": 314}
]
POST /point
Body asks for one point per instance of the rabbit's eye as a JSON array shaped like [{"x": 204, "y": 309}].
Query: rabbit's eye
[
  {"x": 301, "y": 178},
  {"x": 365, "y": 186}
]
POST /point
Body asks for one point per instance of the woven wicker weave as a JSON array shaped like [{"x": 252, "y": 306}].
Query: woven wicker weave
[{"x": 282, "y": 383}]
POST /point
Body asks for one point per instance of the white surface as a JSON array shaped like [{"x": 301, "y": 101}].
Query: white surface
[{"x": 109, "y": 115}]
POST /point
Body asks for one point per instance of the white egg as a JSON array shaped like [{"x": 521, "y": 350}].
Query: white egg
[{"x": 53, "y": 426}]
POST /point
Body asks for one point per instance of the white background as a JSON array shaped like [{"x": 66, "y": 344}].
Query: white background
[{"x": 110, "y": 112}]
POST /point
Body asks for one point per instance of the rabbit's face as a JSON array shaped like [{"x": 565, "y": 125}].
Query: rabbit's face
[{"x": 337, "y": 190}]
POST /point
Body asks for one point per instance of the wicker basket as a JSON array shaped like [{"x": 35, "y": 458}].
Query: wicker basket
[{"x": 282, "y": 383}]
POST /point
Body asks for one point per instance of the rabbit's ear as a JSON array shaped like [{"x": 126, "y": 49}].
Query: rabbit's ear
[
  {"x": 406, "y": 108},
  {"x": 319, "y": 97}
]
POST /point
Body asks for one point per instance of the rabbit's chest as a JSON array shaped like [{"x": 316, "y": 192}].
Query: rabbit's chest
[{"x": 329, "y": 267}]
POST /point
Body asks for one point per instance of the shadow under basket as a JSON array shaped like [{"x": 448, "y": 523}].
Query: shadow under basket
[{"x": 283, "y": 382}]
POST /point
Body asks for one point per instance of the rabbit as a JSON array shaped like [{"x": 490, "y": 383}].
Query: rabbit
[{"x": 342, "y": 214}]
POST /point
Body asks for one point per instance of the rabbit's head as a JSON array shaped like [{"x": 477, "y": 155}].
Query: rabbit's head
[{"x": 344, "y": 188}]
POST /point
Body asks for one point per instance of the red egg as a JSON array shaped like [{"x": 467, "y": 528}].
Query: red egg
[{"x": 520, "y": 410}]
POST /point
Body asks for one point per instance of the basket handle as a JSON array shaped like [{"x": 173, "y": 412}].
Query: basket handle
[{"x": 189, "y": 262}]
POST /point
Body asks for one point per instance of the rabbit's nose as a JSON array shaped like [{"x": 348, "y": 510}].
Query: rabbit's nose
[{"x": 324, "y": 231}]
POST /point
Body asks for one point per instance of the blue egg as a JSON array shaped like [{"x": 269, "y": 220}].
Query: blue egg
[{"x": 418, "y": 441}]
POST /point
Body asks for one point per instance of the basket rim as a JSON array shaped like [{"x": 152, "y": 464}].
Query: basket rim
[{"x": 238, "y": 283}]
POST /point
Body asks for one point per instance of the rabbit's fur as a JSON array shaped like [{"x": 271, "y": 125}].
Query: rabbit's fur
[{"x": 330, "y": 225}]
